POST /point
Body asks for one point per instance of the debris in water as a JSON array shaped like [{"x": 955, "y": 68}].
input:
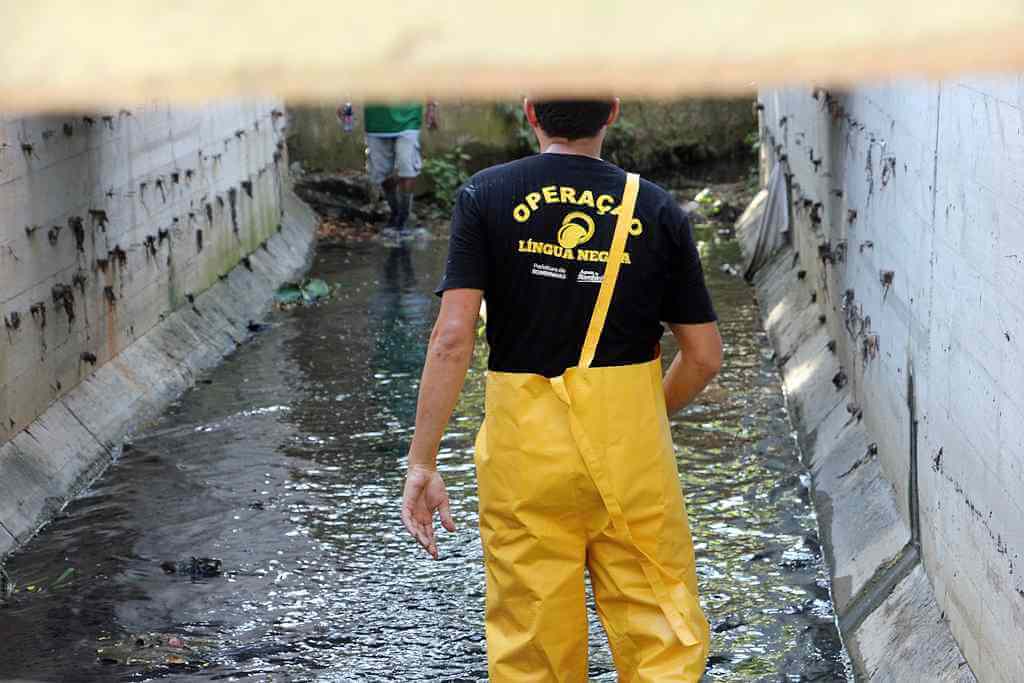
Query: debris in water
[
  {"x": 196, "y": 567},
  {"x": 730, "y": 623},
  {"x": 344, "y": 196},
  {"x": 155, "y": 649},
  {"x": 307, "y": 292},
  {"x": 63, "y": 578},
  {"x": 341, "y": 230}
]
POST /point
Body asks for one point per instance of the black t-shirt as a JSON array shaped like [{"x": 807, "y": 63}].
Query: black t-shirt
[{"x": 534, "y": 235}]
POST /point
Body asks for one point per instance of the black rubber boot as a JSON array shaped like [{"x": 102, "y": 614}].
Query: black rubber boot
[
  {"x": 404, "y": 209},
  {"x": 391, "y": 196}
]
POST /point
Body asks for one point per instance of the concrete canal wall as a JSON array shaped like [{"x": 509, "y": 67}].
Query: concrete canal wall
[
  {"x": 898, "y": 322},
  {"x": 135, "y": 247}
]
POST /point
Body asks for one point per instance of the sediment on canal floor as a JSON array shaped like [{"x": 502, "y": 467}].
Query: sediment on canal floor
[
  {"x": 67, "y": 446},
  {"x": 885, "y": 607}
]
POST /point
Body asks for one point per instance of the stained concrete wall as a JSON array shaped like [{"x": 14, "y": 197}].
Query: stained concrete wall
[
  {"x": 112, "y": 227},
  {"x": 907, "y": 260},
  {"x": 109, "y": 221}
]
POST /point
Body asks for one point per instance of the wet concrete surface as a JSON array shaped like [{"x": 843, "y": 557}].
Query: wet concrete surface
[{"x": 285, "y": 463}]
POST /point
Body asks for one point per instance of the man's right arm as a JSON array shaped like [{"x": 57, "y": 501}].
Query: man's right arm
[
  {"x": 698, "y": 361},
  {"x": 689, "y": 313}
]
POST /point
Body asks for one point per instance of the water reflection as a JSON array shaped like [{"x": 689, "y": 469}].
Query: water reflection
[{"x": 286, "y": 466}]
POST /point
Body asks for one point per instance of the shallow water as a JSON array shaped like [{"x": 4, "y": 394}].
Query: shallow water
[{"x": 285, "y": 463}]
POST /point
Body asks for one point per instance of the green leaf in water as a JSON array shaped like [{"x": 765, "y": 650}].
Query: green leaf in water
[
  {"x": 315, "y": 289},
  {"x": 64, "y": 577},
  {"x": 290, "y": 293},
  {"x": 308, "y": 291}
]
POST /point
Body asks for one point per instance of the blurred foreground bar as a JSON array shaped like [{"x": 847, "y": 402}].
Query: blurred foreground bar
[{"x": 64, "y": 54}]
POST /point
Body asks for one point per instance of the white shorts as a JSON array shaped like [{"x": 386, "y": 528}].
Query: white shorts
[{"x": 399, "y": 155}]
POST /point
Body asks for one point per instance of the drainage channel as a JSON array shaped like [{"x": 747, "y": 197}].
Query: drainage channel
[{"x": 283, "y": 465}]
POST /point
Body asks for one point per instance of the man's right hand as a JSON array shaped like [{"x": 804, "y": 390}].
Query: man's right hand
[{"x": 425, "y": 494}]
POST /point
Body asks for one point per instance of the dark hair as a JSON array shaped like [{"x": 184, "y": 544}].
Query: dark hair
[{"x": 573, "y": 119}]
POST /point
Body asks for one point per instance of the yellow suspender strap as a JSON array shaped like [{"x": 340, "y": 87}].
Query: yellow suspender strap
[{"x": 611, "y": 270}]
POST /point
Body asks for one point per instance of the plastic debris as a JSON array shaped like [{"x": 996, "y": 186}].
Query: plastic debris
[
  {"x": 197, "y": 567},
  {"x": 296, "y": 294},
  {"x": 156, "y": 649}
]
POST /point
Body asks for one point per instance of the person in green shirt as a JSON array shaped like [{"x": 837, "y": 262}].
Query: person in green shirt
[{"x": 393, "y": 139}]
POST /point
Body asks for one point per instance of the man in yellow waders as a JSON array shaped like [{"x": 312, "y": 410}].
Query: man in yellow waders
[{"x": 580, "y": 264}]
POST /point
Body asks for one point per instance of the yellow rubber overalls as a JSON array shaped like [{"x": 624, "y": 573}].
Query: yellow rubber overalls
[{"x": 579, "y": 472}]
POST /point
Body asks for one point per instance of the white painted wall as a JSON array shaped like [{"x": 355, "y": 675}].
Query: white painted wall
[
  {"x": 935, "y": 174},
  {"x": 144, "y": 182}
]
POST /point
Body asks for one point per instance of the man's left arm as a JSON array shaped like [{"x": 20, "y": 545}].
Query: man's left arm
[{"x": 448, "y": 357}]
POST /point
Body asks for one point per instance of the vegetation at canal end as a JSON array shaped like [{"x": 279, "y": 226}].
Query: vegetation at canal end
[
  {"x": 447, "y": 173},
  {"x": 652, "y": 137},
  {"x": 663, "y": 141}
]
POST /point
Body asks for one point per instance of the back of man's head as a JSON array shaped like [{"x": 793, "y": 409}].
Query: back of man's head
[{"x": 573, "y": 119}]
